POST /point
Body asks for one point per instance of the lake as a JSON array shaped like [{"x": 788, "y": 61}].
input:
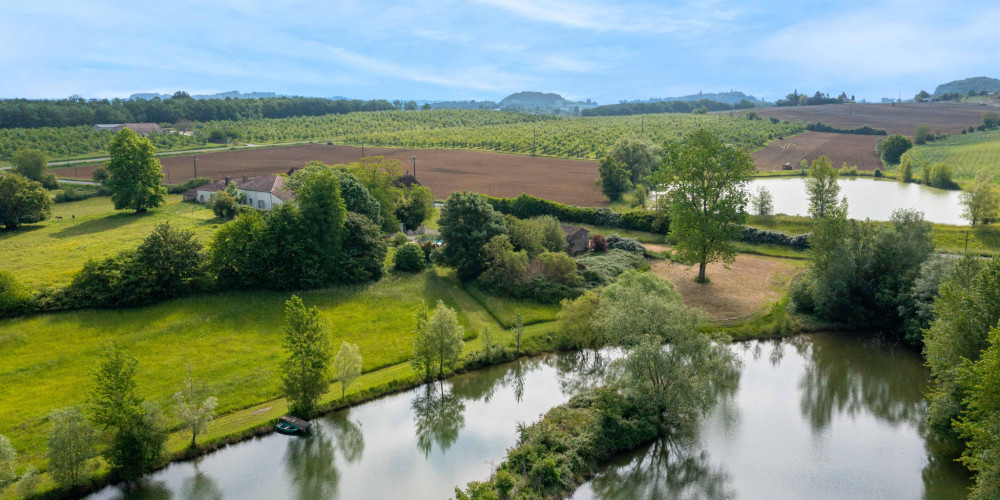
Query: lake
[
  {"x": 816, "y": 416},
  {"x": 868, "y": 198}
]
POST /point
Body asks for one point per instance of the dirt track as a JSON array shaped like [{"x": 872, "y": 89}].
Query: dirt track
[
  {"x": 733, "y": 294},
  {"x": 856, "y": 150},
  {"x": 443, "y": 171}
]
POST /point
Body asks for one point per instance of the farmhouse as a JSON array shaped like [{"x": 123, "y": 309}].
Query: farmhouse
[
  {"x": 139, "y": 128},
  {"x": 262, "y": 193}
]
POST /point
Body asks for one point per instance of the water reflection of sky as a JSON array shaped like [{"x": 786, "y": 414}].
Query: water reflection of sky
[{"x": 867, "y": 198}]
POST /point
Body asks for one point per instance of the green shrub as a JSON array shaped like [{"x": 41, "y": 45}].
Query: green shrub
[
  {"x": 941, "y": 176},
  {"x": 616, "y": 242},
  {"x": 399, "y": 239},
  {"x": 14, "y": 297},
  {"x": 801, "y": 293},
  {"x": 223, "y": 205},
  {"x": 877, "y": 173},
  {"x": 73, "y": 193},
  {"x": 408, "y": 258},
  {"x": 362, "y": 258},
  {"x": 603, "y": 268}
]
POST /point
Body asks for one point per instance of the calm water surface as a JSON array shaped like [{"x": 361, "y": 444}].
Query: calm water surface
[
  {"x": 817, "y": 416},
  {"x": 868, "y": 198},
  {"x": 419, "y": 444}
]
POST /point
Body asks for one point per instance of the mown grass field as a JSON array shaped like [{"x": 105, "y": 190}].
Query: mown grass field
[
  {"x": 231, "y": 341},
  {"x": 967, "y": 153},
  {"x": 49, "y": 253}
]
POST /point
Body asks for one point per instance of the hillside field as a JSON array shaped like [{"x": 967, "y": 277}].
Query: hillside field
[{"x": 967, "y": 153}]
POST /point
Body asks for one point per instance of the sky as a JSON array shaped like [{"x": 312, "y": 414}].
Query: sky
[{"x": 486, "y": 49}]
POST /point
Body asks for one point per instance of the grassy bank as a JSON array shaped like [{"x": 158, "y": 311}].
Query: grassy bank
[
  {"x": 49, "y": 253},
  {"x": 967, "y": 153}
]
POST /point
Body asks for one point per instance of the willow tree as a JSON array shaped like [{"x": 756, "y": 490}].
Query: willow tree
[{"x": 706, "y": 182}]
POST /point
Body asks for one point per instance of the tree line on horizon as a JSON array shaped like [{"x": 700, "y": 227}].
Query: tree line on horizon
[{"x": 30, "y": 113}]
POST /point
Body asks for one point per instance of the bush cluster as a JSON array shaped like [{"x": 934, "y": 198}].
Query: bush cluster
[
  {"x": 408, "y": 258},
  {"x": 616, "y": 242},
  {"x": 190, "y": 184},
  {"x": 756, "y": 236}
]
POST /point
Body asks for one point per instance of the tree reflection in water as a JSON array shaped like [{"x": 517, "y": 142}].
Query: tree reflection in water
[
  {"x": 200, "y": 486},
  {"x": 583, "y": 370},
  {"x": 437, "y": 416},
  {"x": 144, "y": 489},
  {"x": 845, "y": 375},
  {"x": 348, "y": 436},
  {"x": 311, "y": 466},
  {"x": 669, "y": 468}
]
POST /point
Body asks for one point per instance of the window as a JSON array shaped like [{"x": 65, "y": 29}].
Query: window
[
  {"x": 201, "y": 197},
  {"x": 260, "y": 204}
]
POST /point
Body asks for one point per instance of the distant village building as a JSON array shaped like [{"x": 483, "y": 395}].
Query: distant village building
[
  {"x": 139, "y": 128},
  {"x": 262, "y": 193},
  {"x": 577, "y": 239}
]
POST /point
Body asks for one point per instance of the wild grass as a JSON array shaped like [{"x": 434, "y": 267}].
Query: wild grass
[{"x": 50, "y": 252}]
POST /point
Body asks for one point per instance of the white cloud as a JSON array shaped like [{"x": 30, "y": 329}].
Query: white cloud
[{"x": 569, "y": 64}]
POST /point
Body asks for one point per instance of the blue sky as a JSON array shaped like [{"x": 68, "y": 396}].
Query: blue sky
[{"x": 486, "y": 49}]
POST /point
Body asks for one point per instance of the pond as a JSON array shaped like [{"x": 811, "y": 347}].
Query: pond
[
  {"x": 815, "y": 416},
  {"x": 418, "y": 444},
  {"x": 868, "y": 198}
]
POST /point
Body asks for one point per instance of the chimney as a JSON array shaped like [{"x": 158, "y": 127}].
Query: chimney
[
  {"x": 244, "y": 178},
  {"x": 228, "y": 180}
]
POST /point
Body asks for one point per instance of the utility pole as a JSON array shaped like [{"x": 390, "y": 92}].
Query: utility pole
[
  {"x": 362, "y": 149},
  {"x": 534, "y": 132},
  {"x": 195, "y": 158},
  {"x": 414, "y": 166}
]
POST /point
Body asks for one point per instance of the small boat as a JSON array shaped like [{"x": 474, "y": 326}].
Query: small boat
[{"x": 292, "y": 425}]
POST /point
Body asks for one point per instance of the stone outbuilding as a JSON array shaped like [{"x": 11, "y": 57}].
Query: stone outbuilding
[{"x": 577, "y": 239}]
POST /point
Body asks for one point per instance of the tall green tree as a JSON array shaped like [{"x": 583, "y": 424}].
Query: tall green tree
[
  {"x": 30, "y": 163},
  {"x": 762, "y": 202},
  {"x": 22, "y": 201},
  {"x": 822, "y": 186},
  {"x": 639, "y": 156},
  {"x": 347, "y": 366},
  {"x": 467, "y": 223},
  {"x": 304, "y": 374},
  {"x": 706, "y": 183},
  {"x": 72, "y": 447},
  {"x": 135, "y": 427},
  {"x": 196, "y": 414},
  {"x": 136, "y": 175},
  {"x": 980, "y": 201},
  {"x": 439, "y": 341},
  {"x": 968, "y": 306},
  {"x": 322, "y": 213},
  {"x": 979, "y": 422},
  {"x": 614, "y": 178},
  {"x": 422, "y": 354}
]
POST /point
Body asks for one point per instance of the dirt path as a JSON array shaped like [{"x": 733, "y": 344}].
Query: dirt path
[{"x": 751, "y": 283}]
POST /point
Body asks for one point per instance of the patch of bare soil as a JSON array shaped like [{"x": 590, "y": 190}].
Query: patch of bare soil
[{"x": 751, "y": 283}]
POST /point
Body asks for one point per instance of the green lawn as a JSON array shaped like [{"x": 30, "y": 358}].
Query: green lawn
[
  {"x": 967, "y": 153},
  {"x": 232, "y": 342},
  {"x": 504, "y": 309},
  {"x": 50, "y": 252}
]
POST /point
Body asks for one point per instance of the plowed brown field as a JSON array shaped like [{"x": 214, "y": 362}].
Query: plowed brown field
[
  {"x": 854, "y": 149},
  {"x": 441, "y": 170},
  {"x": 949, "y": 118}
]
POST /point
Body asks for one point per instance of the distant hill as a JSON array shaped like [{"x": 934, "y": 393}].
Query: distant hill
[
  {"x": 464, "y": 104},
  {"x": 234, "y": 94},
  {"x": 541, "y": 102},
  {"x": 963, "y": 87},
  {"x": 731, "y": 97}
]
